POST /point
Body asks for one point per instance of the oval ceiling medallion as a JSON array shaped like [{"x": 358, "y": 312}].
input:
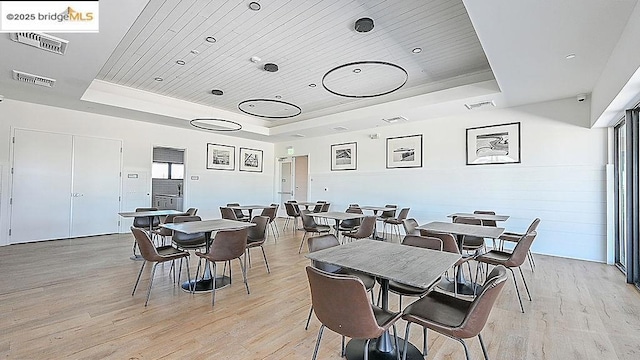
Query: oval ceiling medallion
[
  {"x": 269, "y": 108},
  {"x": 214, "y": 124},
  {"x": 365, "y": 79}
]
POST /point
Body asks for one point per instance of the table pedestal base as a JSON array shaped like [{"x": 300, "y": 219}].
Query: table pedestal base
[
  {"x": 205, "y": 285},
  {"x": 136, "y": 258},
  {"x": 464, "y": 288},
  {"x": 355, "y": 350}
]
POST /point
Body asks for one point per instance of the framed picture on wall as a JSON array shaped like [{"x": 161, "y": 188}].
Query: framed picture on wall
[
  {"x": 404, "y": 151},
  {"x": 221, "y": 157},
  {"x": 344, "y": 156},
  {"x": 250, "y": 160},
  {"x": 493, "y": 144}
]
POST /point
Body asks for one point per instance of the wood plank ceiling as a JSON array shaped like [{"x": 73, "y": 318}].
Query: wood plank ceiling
[{"x": 306, "y": 39}]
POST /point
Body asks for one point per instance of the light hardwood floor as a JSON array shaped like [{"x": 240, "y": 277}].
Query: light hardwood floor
[{"x": 71, "y": 299}]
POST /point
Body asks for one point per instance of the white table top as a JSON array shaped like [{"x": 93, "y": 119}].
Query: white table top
[
  {"x": 463, "y": 229},
  {"x": 389, "y": 261},
  {"x": 151, "y": 213},
  {"x": 250, "y": 207},
  {"x": 337, "y": 215},
  {"x": 480, "y": 216},
  {"x": 193, "y": 227},
  {"x": 378, "y": 208}
]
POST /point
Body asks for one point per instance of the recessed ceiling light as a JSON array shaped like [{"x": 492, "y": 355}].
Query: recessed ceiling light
[
  {"x": 570, "y": 56},
  {"x": 217, "y": 92},
  {"x": 312, "y": 85},
  {"x": 416, "y": 50},
  {"x": 364, "y": 25},
  {"x": 357, "y": 71},
  {"x": 270, "y": 67},
  {"x": 254, "y": 6},
  {"x": 158, "y": 79},
  {"x": 210, "y": 39},
  {"x": 180, "y": 62}
]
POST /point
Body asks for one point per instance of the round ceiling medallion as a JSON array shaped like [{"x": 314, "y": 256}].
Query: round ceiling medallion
[
  {"x": 214, "y": 124},
  {"x": 364, "y": 79},
  {"x": 269, "y": 108}
]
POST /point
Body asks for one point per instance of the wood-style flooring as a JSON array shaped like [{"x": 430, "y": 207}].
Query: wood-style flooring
[{"x": 71, "y": 299}]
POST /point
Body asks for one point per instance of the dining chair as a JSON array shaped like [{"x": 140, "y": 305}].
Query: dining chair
[
  {"x": 271, "y": 213},
  {"x": 511, "y": 260},
  {"x": 350, "y": 224},
  {"x": 470, "y": 243},
  {"x": 240, "y": 215},
  {"x": 407, "y": 290},
  {"x": 188, "y": 241},
  {"x": 340, "y": 303},
  {"x": 410, "y": 226},
  {"x": 227, "y": 213},
  {"x": 191, "y": 211},
  {"x": 395, "y": 222},
  {"x": 226, "y": 246},
  {"x": 454, "y": 317},
  {"x": 450, "y": 244},
  {"x": 488, "y": 222},
  {"x": 257, "y": 236},
  {"x": 292, "y": 213},
  {"x": 515, "y": 237},
  {"x": 156, "y": 255},
  {"x": 326, "y": 241},
  {"x": 366, "y": 229},
  {"x": 310, "y": 226},
  {"x": 142, "y": 222},
  {"x": 164, "y": 232},
  {"x": 318, "y": 207}
]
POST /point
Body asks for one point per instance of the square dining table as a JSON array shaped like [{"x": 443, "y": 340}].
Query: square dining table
[
  {"x": 207, "y": 226},
  {"x": 410, "y": 265},
  {"x": 250, "y": 208},
  {"x": 337, "y": 216}
]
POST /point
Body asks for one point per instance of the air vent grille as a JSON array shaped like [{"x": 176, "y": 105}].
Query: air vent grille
[
  {"x": 396, "y": 119},
  {"x": 41, "y": 41},
  {"x": 480, "y": 104},
  {"x": 33, "y": 79}
]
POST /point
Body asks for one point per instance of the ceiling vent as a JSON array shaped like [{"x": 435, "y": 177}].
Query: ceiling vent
[
  {"x": 396, "y": 119},
  {"x": 41, "y": 41},
  {"x": 340, "y": 128},
  {"x": 479, "y": 105},
  {"x": 33, "y": 79}
]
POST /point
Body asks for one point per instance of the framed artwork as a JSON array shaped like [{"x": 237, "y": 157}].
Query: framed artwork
[
  {"x": 221, "y": 157},
  {"x": 344, "y": 156},
  {"x": 494, "y": 144},
  {"x": 250, "y": 160},
  {"x": 404, "y": 151}
]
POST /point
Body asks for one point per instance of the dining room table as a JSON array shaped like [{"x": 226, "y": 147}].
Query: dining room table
[
  {"x": 338, "y": 216},
  {"x": 150, "y": 214},
  {"x": 250, "y": 208},
  {"x": 306, "y": 204},
  {"x": 460, "y": 284},
  {"x": 375, "y": 210},
  {"x": 388, "y": 261},
  {"x": 207, "y": 283},
  {"x": 484, "y": 217}
]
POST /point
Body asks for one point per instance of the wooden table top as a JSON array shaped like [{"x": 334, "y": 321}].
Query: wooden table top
[
  {"x": 337, "y": 215},
  {"x": 192, "y": 227},
  {"x": 151, "y": 213},
  {"x": 480, "y": 216},
  {"x": 463, "y": 229},
  {"x": 378, "y": 208},
  {"x": 390, "y": 261},
  {"x": 250, "y": 207}
]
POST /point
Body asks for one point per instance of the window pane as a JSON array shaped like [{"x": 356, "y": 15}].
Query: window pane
[
  {"x": 177, "y": 171},
  {"x": 160, "y": 170}
]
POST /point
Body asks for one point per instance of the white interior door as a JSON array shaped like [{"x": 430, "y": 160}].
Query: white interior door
[
  {"x": 41, "y": 186},
  {"x": 96, "y": 186},
  {"x": 286, "y": 183},
  {"x": 301, "y": 177}
]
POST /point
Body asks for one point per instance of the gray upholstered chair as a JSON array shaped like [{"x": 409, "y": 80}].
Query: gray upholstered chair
[
  {"x": 365, "y": 230},
  {"x": 310, "y": 226},
  {"x": 395, "y": 222},
  {"x": 410, "y": 226},
  {"x": 257, "y": 236}
]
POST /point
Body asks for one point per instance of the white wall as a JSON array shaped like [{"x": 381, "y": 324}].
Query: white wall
[
  {"x": 561, "y": 178},
  {"x": 213, "y": 189}
]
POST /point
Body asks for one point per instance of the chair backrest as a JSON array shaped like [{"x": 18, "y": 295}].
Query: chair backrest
[
  {"x": 258, "y": 233},
  {"x": 478, "y": 313},
  {"x": 228, "y": 244},
  {"x": 341, "y": 303},
  {"x": 227, "y": 213},
  {"x": 487, "y": 222},
  {"x": 410, "y": 226},
  {"x": 167, "y": 220},
  {"x": 367, "y": 227},
  {"x": 403, "y": 214},
  {"x": 269, "y": 212},
  {"x": 191, "y": 211},
  {"x": 322, "y": 242},
  {"x": 318, "y": 207},
  {"x": 389, "y": 213},
  {"x": 143, "y": 221},
  {"x": 424, "y": 242},
  {"x": 325, "y": 207},
  {"x": 182, "y": 239},
  {"x": 147, "y": 249},
  {"x": 354, "y": 210},
  {"x": 449, "y": 242},
  {"x": 519, "y": 253},
  {"x": 534, "y": 225},
  {"x": 288, "y": 207},
  {"x": 469, "y": 221},
  {"x": 238, "y": 212},
  {"x": 351, "y": 223},
  {"x": 308, "y": 223}
]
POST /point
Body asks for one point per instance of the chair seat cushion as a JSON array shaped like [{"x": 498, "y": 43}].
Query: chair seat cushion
[
  {"x": 438, "y": 311},
  {"x": 512, "y": 237},
  {"x": 319, "y": 228},
  {"x": 385, "y": 319},
  {"x": 170, "y": 253},
  {"x": 494, "y": 257},
  {"x": 404, "y": 289}
]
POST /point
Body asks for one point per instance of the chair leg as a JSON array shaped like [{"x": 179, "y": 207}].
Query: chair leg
[
  {"x": 138, "y": 279},
  {"x": 342, "y": 349},
  {"x": 244, "y": 272},
  {"x": 153, "y": 271},
  {"x": 406, "y": 340},
  {"x": 525, "y": 282},
  {"x": 425, "y": 339},
  {"x": 302, "y": 242},
  {"x": 366, "y": 349},
  {"x": 395, "y": 339},
  {"x": 212, "y": 274},
  {"x": 466, "y": 349},
  {"x": 306, "y": 327},
  {"x": 315, "y": 351},
  {"x": 517, "y": 290},
  {"x": 484, "y": 348},
  {"x": 532, "y": 262},
  {"x": 266, "y": 263}
]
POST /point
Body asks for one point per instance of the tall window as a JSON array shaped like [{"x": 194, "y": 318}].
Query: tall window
[
  {"x": 632, "y": 198},
  {"x": 620, "y": 143}
]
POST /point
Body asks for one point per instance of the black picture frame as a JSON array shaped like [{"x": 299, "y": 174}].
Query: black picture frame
[
  {"x": 493, "y": 144},
  {"x": 250, "y": 160},
  {"x": 404, "y": 151},
  {"x": 221, "y": 157},
  {"x": 344, "y": 156}
]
